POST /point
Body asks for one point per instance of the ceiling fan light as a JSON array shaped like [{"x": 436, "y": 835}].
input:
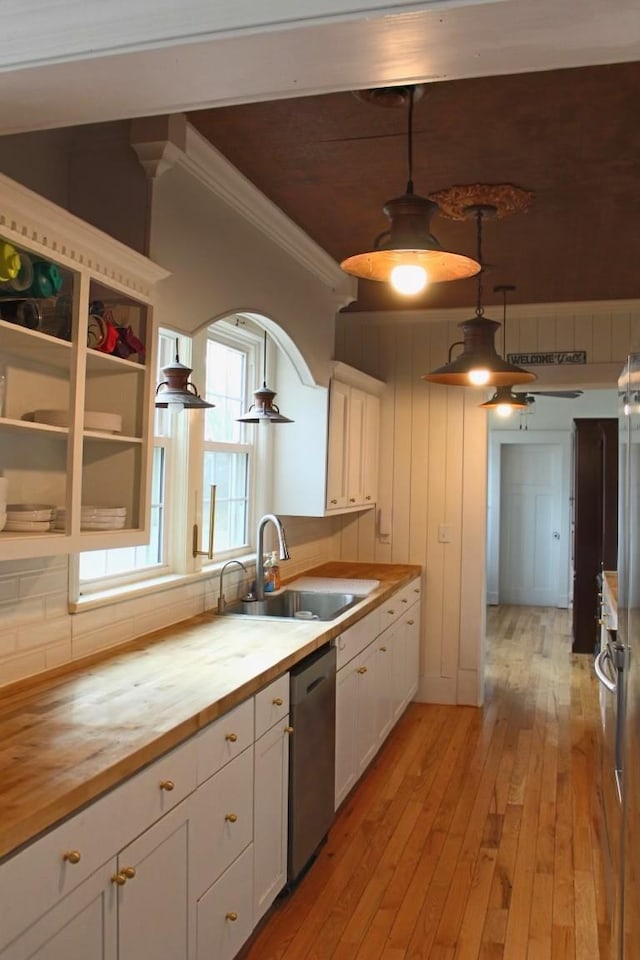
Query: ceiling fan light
[{"x": 505, "y": 401}]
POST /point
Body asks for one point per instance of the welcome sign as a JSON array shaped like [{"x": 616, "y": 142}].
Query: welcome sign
[{"x": 554, "y": 357}]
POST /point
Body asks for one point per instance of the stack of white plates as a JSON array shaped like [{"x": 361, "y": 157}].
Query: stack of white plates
[
  {"x": 95, "y": 518},
  {"x": 29, "y": 517}
]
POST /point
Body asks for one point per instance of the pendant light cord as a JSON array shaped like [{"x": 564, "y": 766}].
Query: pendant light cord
[
  {"x": 410, "y": 141},
  {"x": 479, "y": 307},
  {"x": 264, "y": 361}
]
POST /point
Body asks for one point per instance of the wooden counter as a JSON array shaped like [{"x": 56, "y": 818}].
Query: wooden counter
[{"x": 70, "y": 735}]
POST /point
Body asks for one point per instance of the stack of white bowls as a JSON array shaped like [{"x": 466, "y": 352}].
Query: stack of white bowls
[
  {"x": 3, "y": 501},
  {"x": 29, "y": 517}
]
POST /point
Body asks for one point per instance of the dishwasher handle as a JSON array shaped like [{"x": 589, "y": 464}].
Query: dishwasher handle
[{"x": 598, "y": 666}]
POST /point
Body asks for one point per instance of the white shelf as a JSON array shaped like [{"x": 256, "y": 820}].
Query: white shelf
[
  {"x": 101, "y": 363},
  {"x": 109, "y": 437},
  {"x": 27, "y": 426},
  {"x": 34, "y": 346}
]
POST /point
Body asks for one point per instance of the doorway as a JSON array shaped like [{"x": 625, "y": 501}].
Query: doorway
[{"x": 528, "y": 518}]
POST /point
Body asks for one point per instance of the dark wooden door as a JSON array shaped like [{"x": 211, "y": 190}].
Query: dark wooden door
[{"x": 595, "y": 537}]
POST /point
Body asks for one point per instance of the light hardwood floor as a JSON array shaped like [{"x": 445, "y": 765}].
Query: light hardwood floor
[{"x": 476, "y": 832}]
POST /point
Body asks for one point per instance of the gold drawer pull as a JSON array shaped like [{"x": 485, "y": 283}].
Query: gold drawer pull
[
  {"x": 383, "y": 649},
  {"x": 411, "y": 622},
  {"x": 334, "y": 501},
  {"x": 72, "y": 856},
  {"x": 119, "y": 878},
  {"x": 232, "y": 916},
  {"x": 362, "y": 670},
  {"x": 231, "y": 817},
  {"x": 278, "y": 701},
  {"x": 404, "y": 600},
  {"x": 391, "y": 612},
  {"x": 288, "y": 729},
  {"x": 231, "y": 737},
  {"x": 129, "y": 872},
  {"x": 416, "y": 589},
  {"x": 167, "y": 785}
]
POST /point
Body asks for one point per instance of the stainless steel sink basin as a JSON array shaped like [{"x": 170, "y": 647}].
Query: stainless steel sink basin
[{"x": 295, "y": 604}]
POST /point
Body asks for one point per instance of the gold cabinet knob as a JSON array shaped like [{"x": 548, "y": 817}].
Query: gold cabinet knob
[
  {"x": 119, "y": 878},
  {"x": 391, "y": 612},
  {"x": 404, "y": 600},
  {"x": 232, "y": 916},
  {"x": 362, "y": 670},
  {"x": 383, "y": 649},
  {"x": 278, "y": 701},
  {"x": 411, "y": 622},
  {"x": 72, "y": 856},
  {"x": 288, "y": 729},
  {"x": 167, "y": 785},
  {"x": 368, "y": 497},
  {"x": 416, "y": 589},
  {"x": 129, "y": 872},
  {"x": 352, "y": 499},
  {"x": 231, "y": 817},
  {"x": 231, "y": 737},
  {"x": 334, "y": 501}
]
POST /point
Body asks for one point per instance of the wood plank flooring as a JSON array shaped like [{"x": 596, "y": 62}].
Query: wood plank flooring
[{"x": 475, "y": 835}]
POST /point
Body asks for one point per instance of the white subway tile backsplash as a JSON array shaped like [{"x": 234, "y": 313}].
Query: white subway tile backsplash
[{"x": 37, "y": 632}]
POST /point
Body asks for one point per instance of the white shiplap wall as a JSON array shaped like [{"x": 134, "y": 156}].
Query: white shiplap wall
[{"x": 434, "y": 459}]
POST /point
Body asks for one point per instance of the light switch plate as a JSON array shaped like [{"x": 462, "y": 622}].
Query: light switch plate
[{"x": 444, "y": 533}]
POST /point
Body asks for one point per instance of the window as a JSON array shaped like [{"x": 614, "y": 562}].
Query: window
[
  {"x": 98, "y": 569},
  {"x": 227, "y": 450}
]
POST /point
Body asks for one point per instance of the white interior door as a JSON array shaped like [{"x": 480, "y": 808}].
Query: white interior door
[{"x": 531, "y": 524}]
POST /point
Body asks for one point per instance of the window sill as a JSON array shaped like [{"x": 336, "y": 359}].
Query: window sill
[{"x": 141, "y": 588}]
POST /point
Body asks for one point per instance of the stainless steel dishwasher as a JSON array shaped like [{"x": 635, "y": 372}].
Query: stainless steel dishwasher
[{"x": 311, "y": 757}]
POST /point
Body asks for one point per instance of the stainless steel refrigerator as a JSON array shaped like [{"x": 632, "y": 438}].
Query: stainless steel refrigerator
[{"x": 626, "y": 940}]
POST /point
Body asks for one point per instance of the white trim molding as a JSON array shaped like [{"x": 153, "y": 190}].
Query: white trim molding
[{"x": 184, "y": 146}]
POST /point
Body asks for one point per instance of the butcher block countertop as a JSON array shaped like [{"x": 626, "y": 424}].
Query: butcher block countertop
[{"x": 68, "y": 736}]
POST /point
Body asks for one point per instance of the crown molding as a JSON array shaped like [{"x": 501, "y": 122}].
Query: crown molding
[
  {"x": 211, "y": 169},
  {"x": 27, "y": 218}
]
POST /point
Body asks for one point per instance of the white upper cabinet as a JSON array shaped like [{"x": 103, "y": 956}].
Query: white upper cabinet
[
  {"x": 77, "y": 354},
  {"x": 327, "y": 461}
]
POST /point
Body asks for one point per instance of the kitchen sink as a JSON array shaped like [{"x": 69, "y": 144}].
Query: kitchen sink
[{"x": 296, "y": 604}]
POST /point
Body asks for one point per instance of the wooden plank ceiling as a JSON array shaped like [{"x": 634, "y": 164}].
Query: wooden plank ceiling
[{"x": 571, "y": 137}]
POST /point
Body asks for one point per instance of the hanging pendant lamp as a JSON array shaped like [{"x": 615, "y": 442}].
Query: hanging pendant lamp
[
  {"x": 505, "y": 401},
  {"x": 408, "y": 255},
  {"x": 175, "y": 391},
  {"x": 479, "y": 364},
  {"x": 263, "y": 409}
]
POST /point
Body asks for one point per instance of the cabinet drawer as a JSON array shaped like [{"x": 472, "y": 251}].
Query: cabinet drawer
[
  {"x": 353, "y": 641},
  {"x": 393, "y": 608},
  {"x": 222, "y": 820},
  {"x": 148, "y": 795},
  {"x": 224, "y": 916},
  {"x": 224, "y": 739},
  {"x": 272, "y": 704},
  {"x": 35, "y": 879}
]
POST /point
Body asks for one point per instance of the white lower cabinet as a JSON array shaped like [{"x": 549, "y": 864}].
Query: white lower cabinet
[
  {"x": 271, "y": 790},
  {"x": 224, "y": 914},
  {"x": 152, "y": 889},
  {"x": 377, "y": 678},
  {"x": 83, "y": 925}
]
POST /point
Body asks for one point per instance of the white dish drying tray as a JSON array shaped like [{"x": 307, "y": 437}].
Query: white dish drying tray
[{"x": 333, "y": 585}]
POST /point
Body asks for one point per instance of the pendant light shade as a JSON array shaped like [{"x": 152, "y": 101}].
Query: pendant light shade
[
  {"x": 408, "y": 255},
  {"x": 263, "y": 409},
  {"x": 175, "y": 391},
  {"x": 479, "y": 364}
]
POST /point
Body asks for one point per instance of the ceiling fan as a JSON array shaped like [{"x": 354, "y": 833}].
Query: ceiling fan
[{"x": 530, "y": 396}]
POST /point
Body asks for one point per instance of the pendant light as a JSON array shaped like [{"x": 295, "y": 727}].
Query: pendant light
[
  {"x": 407, "y": 255},
  {"x": 479, "y": 365},
  {"x": 505, "y": 401},
  {"x": 175, "y": 391},
  {"x": 263, "y": 409}
]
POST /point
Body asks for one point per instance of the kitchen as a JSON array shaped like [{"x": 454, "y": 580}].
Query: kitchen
[{"x": 453, "y": 670}]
